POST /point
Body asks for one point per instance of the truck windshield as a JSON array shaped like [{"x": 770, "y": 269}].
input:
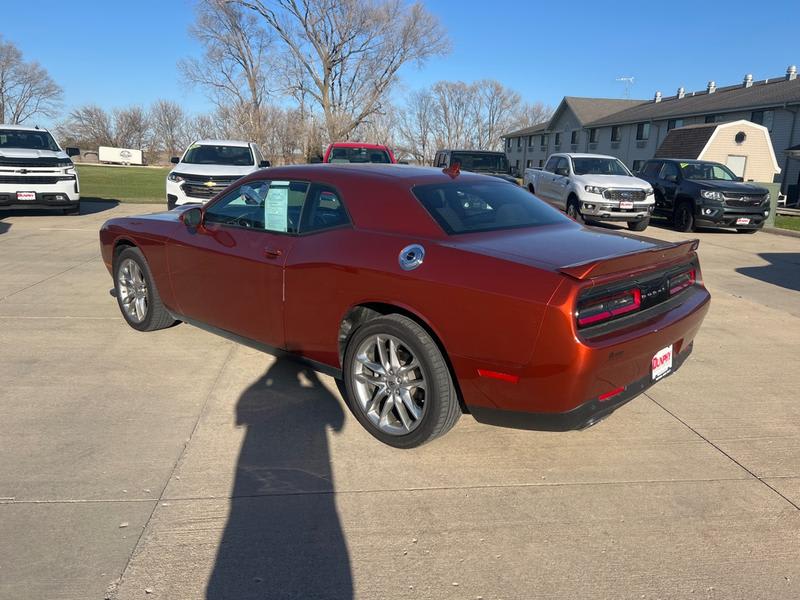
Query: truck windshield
[
  {"x": 481, "y": 162},
  {"x": 234, "y": 156},
  {"x": 599, "y": 166},
  {"x": 358, "y": 155},
  {"x": 485, "y": 206},
  {"x": 30, "y": 140},
  {"x": 707, "y": 172}
]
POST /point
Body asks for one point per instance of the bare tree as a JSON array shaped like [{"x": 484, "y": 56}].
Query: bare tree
[
  {"x": 88, "y": 126},
  {"x": 454, "y": 125},
  {"x": 530, "y": 114},
  {"x": 170, "y": 127},
  {"x": 131, "y": 128},
  {"x": 26, "y": 89},
  {"x": 344, "y": 55},
  {"x": 415, "y": 125},
  {"x": 234, "y": 68}
]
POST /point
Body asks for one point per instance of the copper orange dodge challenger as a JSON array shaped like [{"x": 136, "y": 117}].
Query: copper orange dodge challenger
[{"x": 427, "y": 292}]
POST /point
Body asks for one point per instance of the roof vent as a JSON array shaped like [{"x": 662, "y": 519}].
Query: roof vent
[
  {"x": 658, "y": 97},
  {"x": 791, "y": 73},
  {"x": 681, "y": 93},
  {"x": 748, "y": 80},
  {"x": 712, "y": 87}
]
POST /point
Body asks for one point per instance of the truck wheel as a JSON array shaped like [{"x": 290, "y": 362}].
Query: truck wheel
[
  {"x": 398, "y": 384},
  {"x": 639, "y": 225},
  {"x": 683, "y": 219},
  {"x": 137, "y": 296},
  {"x": 530, "y": 189},
  {"x": 573, "y": 211}
]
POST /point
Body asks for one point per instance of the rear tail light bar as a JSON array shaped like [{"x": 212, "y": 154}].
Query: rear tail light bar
[
  {"x": 603, "y": 308},
  {"x": 681, "y": 281}
]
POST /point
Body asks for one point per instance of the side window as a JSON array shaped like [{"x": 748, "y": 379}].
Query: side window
[
  {"x": 669, "y": 171},
  {"x": 551, "y": 164},
  {"x": 323, "y": 210},
  {"x": 243, "y": 207},
  {"x": 562, "y": 167}
]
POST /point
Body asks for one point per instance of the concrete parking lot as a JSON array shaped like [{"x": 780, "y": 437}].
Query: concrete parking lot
[{"x": 178, "y": 465}]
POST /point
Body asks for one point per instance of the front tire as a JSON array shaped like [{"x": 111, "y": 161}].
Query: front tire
[
  {"x": 573, "y": 210},
  {"x": 530, "y": 189},
  {"x": 683, "y": 219},
  {"x": 137, "y": 296},
  {"x": 398, "y": 384},
  {"x": 639, "y": 225}
]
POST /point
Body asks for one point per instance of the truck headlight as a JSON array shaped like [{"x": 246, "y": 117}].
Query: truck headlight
[
  {"x": 648, "y": 192},
  {"x": 175, "y": 177},
  {"x": 593, "y": 189},
  {"x": 70, "y": 171},
  {"x": 711, "y": 195}
]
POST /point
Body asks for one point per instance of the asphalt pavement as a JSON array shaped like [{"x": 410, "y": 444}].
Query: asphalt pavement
[{"x": 178, "y": 465}]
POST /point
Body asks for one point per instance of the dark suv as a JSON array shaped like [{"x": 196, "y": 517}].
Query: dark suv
[
  {"x": 698, "y": 193},
  {"x": 478, "y": 161}
]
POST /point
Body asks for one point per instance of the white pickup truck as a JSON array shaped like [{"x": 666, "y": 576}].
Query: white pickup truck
[{"x": 593, "y": 187}]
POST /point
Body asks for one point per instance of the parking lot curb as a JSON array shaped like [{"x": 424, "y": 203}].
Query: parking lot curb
[{"x": 779, "y": 231}]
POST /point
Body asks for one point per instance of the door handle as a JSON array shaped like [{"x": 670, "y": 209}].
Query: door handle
[{"x": 273, "y": 252}]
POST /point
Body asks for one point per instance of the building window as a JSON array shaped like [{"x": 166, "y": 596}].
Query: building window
[
  {"x": 673, "y": 123},
  {"x": 574, "y": 137},
  {"x": 615, "y": 133},
  {"x": 508, "y": 143},
  {"x": 519, "y": 142},
  {"x": 637, "y": 164},
  {"x": 558, "y": 139},
  {"x": 541, "y": 163},
  {"x": 528, "y": 164},
  {"x": 530, "y": 140},
  {"x": 763, "y": 117},
  {"x": 516, "y": 164},
  {"x": 593, "y": 136},
  {"x": 545, "y": 140},
  {"x": 711, "y": 119},
  {"x": 643, "y": 131}
]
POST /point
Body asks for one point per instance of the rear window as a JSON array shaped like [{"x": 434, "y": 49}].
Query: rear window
[
  {"x": 358, "y": 155},
  {"x": 485, "y": 206}
]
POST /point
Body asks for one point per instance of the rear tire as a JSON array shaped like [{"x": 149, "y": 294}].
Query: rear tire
[
  {"x": 380, "y": 388},
  {"x": 683, "y": 218},
  {"x": 137, "y": 296},
  {"x": 639, "y": 225}
]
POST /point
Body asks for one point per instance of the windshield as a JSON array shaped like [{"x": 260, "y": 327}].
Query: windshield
[
  {"x": 599, "y": 166},
  {"x": 481, "y": 161},
  {"x": 31, "y": 140},
  {"x": 358, "y": 155},
  {"x": 707, "y": 171},
  {"x": 234, "y": 156},
  {"x": 485, "y": 206}
]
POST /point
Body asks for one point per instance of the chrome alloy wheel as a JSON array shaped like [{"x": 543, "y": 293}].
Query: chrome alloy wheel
[
  {"x": 133, "y": 293},
  {"x": 390, "y": 384}
]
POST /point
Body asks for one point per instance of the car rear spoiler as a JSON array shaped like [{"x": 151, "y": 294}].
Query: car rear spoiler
[{"x": 633, "y": 261}]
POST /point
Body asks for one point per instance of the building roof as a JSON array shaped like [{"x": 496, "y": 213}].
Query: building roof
[
  {"x": 686, "y": 142},
  {"x": 592, "y": 109},
  {"x": 762, "y": 94},
  {"x": 527, "y": 130}
]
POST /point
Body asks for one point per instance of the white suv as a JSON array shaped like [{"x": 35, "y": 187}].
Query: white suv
[
  {"x": 35, "y": 172},
  {"x": 208, "y": 167}
]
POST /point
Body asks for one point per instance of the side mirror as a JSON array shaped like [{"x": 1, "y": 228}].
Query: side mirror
[
  {"x": 73, "y": 151},
  {"x": 175, "y": 160},
  {"x": 264, "y": 164},
  {"x": 315, "y": 160},
  {"x": 672, "y": 178},
  {"x": 192, "y": 217},
  {"x": 562, "y": 172},
  {"x": 740, "y": 179}
]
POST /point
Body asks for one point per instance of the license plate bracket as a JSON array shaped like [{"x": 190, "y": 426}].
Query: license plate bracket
[
  {"x": 26, "y": 196},
  {"x": 743, "y": 221},
  {"x": 661, "y": 363},
  {"x": 626, "y": 205}
]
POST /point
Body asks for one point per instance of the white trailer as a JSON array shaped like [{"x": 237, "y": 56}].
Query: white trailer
[{"x": 120, "y": 156}]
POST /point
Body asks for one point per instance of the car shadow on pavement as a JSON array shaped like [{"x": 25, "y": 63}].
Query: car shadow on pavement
[
  {"x": 4, "y": 227},
  {"x": 283, "y": 538},
  {"x": 89, "y": 206},
  {"x": 783, "y": 270}
]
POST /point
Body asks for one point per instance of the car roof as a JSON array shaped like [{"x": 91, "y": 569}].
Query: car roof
[
  {"x": 684, "y": 160},
  {"x": 583, "y": 155},
  {"x": 21, "y": 127},
  {"x": 358, "y": 145},
  {"x": 472, "y": 151},
  {"x": 386, "y": 172},
  {"x": 240, "y": 143}
]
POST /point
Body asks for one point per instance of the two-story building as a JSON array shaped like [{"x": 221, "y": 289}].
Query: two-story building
[{"x": 633, "y": 130}]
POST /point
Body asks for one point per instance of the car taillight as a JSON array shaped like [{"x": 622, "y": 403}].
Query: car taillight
[
  {"x": 596, "y": 310},
  {"x": 680, "y": 282}
]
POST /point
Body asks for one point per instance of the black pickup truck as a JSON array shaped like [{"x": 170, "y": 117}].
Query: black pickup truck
[
  {"x": 695, "y": 193},
  {"x": 478, "y": 161}
]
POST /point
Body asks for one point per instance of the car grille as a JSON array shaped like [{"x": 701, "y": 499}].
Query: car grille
[
  {"x": 744, "y": 199},
  {"x": 41, "y": 161},
  {"x": 205, "y": 187},
  {"x": 625, "y": 195},
  {"x": 31, "y": 180}
]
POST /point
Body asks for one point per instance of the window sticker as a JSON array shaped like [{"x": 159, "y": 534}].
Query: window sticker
[
  {"x": 684, "y": 165},
  {"x": 276, "y": 206}
]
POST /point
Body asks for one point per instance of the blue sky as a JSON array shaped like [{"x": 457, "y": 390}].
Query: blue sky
[{"x": 119, "y": 53}]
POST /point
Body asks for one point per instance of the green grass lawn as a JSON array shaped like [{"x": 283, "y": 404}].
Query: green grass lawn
[
  {"x": 787, "y": 222},
  {"x": 125, "y": 184}
]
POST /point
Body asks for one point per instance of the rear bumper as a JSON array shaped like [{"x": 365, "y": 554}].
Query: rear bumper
[{"x": 580, "y": 417}]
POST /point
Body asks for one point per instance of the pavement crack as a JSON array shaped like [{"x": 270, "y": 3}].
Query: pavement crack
[{"x": 720, "y": 450}]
